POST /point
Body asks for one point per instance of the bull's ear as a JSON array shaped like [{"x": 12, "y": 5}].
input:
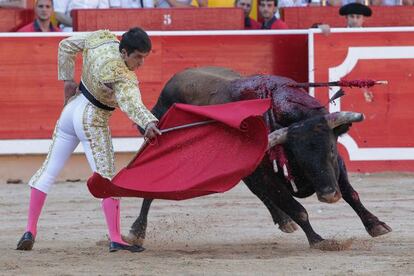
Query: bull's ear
[{"x": 341, "y": 129}]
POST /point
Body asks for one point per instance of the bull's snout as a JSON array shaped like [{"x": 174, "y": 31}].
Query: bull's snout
[{"x": 330, "y": 197}]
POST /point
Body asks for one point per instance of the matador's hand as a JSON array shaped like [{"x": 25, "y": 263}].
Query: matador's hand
[
  {"x": 151, "y": 131},
  {"x": 70, "y": 87}
]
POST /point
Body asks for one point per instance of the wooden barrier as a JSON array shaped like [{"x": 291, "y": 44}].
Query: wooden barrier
[
  {"x": 11, "y": 19},
  {"x": 382, "y": 16},
  {"x": 203, "y": 18},
  {"x": 157, "y": 19},
  {"x": 31, "y": 97},
  {"x": 383, "y": 141}
]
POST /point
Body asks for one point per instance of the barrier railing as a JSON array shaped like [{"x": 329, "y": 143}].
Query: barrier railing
[
  {"x": 382, "y": 16},
  {"x": 158, "y": 19},
  {"x": 32, "y": 97}
]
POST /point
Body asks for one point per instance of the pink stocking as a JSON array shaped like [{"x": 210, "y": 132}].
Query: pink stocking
[
  {"x": 37, "y": 200},
  {"x": 112, "y": 213}
]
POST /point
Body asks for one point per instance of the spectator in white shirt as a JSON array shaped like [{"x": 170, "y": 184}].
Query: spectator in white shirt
[
  {"x": 292, "y": 3},
  {"x": 131, "y": 4},
  {"x": 180, "y": 3},
  {"x": 384, "y": 2},
  {"x": 64, "y": 7}
]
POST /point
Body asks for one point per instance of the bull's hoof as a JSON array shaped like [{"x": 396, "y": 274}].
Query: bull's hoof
[
  {"x": 380, "y": 228},
  {"x": 288, "y": 226},
  {"x": 332, "y": 245},
  {"x": 133, "y": 239}
]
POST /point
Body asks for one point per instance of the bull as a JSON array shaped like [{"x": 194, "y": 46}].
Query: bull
[{"x": 298, "y": 123}]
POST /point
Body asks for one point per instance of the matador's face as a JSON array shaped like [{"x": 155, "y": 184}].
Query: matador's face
[{"x": 134, "y": 59}]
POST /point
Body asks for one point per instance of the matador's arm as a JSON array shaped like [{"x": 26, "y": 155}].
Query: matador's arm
[
  {"x": 68, "y": 49},
  {"x": 129, "y": 100}
]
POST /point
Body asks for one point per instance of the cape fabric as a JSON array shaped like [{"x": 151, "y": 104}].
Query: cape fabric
[{"x": 194, "y": 161}]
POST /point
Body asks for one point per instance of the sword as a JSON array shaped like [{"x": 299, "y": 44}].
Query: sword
[{"x": 165, "y": 130}]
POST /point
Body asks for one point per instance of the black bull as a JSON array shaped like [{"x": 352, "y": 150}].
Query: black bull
[{"x": 309, "y": 140}]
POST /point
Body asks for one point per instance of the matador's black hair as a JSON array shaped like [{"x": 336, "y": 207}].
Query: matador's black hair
[{"x": 135, "y": 39}]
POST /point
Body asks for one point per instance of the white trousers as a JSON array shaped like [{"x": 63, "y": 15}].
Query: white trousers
[{"x": 80, "y": 121}]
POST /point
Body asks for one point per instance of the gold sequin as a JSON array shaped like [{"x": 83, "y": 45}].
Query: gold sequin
[
  {"x": 35, "y": 178},
  {"x": 98, "y": 38},
  {"x": 103, "y": 67},
  {"x": 95, "y": 124}
]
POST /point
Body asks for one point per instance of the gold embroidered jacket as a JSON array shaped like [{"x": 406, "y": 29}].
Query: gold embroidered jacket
[{"x": 103, "y": 67}]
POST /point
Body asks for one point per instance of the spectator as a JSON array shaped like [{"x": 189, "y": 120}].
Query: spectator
[
  {"x": 355, "y": 14},
  {"x": 267, "y": 10},
  {"x": 292, "y": 3},
  {"x": 43, "y": 10},
  {"x": 13, "y": 3},
  {"x": 180, "y": 3},
  {"x": 335, "y": 3},
  {"x": 383, "y": 2},
  {"x": 249, "y": 23},
  {"x": 131, "y": 4},
  {"x": 376, "y": 2},
  {"x": 408, "y": 2},
  {"x": 64, "y": 7}
]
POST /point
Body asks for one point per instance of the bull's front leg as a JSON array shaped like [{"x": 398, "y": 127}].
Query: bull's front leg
[
  {"x": 372, "y": 224},
  {"x": 286, "y": 224},
  {"x": 265, "y": 181},
  {"x": 138, "y": 229}
]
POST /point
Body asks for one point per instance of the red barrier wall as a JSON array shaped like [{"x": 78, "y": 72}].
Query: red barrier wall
[
  {"x": 157, "y": 19},
  {"x": 11, "y": 19},
  {"x": 204, "y": 18},
  {"x": 31, "y": 97},
  {"x": 383, "y": 141},
  {"x": 385, "y": 16}
]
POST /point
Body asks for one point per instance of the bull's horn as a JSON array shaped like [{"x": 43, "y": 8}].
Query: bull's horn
[
  {"x": 277, "y": 137},
  {"x": 343, "y": 117}
]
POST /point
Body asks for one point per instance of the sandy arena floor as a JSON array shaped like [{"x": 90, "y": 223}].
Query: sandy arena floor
[{"x": 226, "y": 234}]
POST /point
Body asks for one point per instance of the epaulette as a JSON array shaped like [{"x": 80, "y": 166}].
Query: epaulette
[
  {"x": 98, "y": 38},
  {"x": 115, "y": 70}
]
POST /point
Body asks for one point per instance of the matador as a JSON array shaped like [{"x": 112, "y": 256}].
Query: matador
[{"x": 108, "y": 81}]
